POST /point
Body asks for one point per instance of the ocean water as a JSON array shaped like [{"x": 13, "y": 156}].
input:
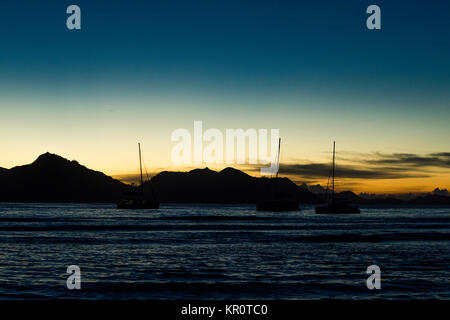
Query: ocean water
[{"x": 221, "y": 252}]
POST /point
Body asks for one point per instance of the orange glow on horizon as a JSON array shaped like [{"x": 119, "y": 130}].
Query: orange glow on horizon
[{"x": 357, "y": 185}]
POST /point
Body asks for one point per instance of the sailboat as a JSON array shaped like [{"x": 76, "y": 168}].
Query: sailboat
[
  {"x": 139, "y": 199},
  {"x": 278, "y": 201},
  {"x": 336, "y": 205}
]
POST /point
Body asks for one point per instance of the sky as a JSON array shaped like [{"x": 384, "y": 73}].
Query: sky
[{"x": 138, "y": 70}]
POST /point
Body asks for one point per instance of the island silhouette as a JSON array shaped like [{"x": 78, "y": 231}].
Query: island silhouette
[{"x": 52, "y": 178}]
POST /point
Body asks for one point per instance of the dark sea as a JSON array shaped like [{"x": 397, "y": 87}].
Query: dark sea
[{"x": 222, "y": 252}]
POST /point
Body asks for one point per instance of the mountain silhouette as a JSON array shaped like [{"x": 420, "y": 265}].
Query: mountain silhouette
[
  {"x": 227, "y": 186},
  {"x": 51, "y": 178}
]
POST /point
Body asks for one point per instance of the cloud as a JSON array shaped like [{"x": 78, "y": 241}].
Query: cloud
[
  {"x": 438, "y": 160},
  {"x": 441, "y": 154},
  {"x": 322, "y": 170},
  {"x": 353, "y": 165},
  {"x": 372, "y": 166}
]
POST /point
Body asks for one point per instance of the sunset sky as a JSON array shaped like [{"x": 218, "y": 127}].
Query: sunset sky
[{"x": 138, "y": 70}]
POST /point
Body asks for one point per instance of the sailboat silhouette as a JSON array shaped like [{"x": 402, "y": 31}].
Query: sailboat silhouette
[
  {"x": 336, "y": 205},
  {"x": 139, "y": 199},
  {"x": 277, "y": 201}
]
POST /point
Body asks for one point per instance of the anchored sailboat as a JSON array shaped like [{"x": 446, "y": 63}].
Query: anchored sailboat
[
  {"x": 140, "y": 199},
  {"x": 278, "y": 201},
  {"x": 336, "y": 205}
]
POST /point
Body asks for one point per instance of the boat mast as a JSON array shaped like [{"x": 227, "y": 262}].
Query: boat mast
[
  {"x": 140, "y": 166},
  {"x": 278, "y": 158},
  {"x": 332, "y": 183}
]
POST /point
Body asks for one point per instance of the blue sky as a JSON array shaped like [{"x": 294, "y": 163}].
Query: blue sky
[
  {"x": 140, "y": 69},
  {"x": 245, "y": 45}
]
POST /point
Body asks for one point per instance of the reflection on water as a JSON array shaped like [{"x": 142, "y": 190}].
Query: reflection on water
[{"x": 213, "y": 252}]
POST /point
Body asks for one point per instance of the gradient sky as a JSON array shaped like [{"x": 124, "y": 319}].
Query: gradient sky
[{"x": 140, "y": 69}]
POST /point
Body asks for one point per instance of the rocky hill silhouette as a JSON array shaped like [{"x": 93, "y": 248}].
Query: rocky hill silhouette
[
  {"x": 51, "y": 178},
  {"x": 227, "y": 186}
]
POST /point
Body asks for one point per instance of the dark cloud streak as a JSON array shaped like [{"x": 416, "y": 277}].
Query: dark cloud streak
[
  {"x": 373, "y": 166},
  {"x": 439, "y": 160},
  {"x": 321, "y": 170}
]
